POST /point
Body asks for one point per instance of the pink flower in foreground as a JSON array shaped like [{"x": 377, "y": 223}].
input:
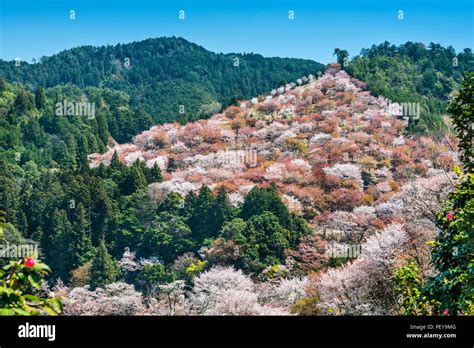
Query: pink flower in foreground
[
  {"x": 450, "y": 216},
  {"x": 446, "y": 312},
  {"x": 30, "y": 262}
]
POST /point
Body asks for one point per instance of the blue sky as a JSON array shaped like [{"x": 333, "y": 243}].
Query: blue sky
[{"x": 33, "y": 28}]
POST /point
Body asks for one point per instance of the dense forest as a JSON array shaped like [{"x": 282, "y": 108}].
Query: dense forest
[
  {"x": 31, "y": 126},
  {"x": 330, "y": 158},
  {"x": 78, "y": 215},
  {"x": 171, "y": 78},
  {"x": 413, "y": 72}
]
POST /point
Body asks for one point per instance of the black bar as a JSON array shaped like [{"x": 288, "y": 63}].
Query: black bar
[{"x": 289, "y": 331}]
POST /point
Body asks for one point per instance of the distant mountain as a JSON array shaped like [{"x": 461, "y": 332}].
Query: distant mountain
[{"x": 173, "y": 79}]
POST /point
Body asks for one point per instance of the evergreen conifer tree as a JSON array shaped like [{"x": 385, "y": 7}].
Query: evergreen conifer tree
[{"x": 104, "y": 269}]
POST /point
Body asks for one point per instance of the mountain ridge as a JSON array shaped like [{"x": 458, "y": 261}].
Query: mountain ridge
[{"x": 161, "y": 74}]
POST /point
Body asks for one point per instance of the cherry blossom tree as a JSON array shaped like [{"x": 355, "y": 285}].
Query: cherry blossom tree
[
  {"x": 209, "y": 285},
  {"x": 310, "y": 254},
  {"x": 365, "y": 286},
  {"x": 114, "y": 299}
]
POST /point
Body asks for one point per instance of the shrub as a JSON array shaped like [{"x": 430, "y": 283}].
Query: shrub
[
  {"x": 19, "y": 284},
  {"x": 408, "y": 288},
  {"x": 453, "y": 248}
]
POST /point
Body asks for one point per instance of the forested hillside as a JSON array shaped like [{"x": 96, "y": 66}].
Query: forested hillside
[
  {"x": 311, "y": 199},
  {"x": 175, "y": 80},
  {"x": 413, "y": 72},
  {"x": 171, "y": 78},
  {"x": 32, "y": 129}
]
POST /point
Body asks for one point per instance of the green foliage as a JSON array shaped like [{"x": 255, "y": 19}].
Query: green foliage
[
  {"x": 19, "y": 282},
  {"x": 223, "y": 209},
  {"x": 69, "y": 211},
  {"x": 337, "y": 261},
  {"x": 31, "y": 129},
  {"x": 409, "y": 289},
  {"x": 23, "y": 102},
  {"x": 274, "y": 273},
  {"x": 462, "y": 111},
  {"x": 9, "y": 193},
  {"x": 453, "y": 251},
  {"x": 168, "y": 237},
  {"x": 163, "y": 74},
  {"x": 453, "y": 248},
  {"x": 3, "y": 85},
  {"x": 412, "y": 72},
  {"x": 234, "y": 230},
  {"x": 342, "y": 56},
  {"x": 267, "y": 239},
  {"x": 69, "y": 246},
  {"x": 134, "y": 179},
  {"x": 104, "y": 269},
  {"x": 307, "y": 306},
  {"x": 173, "y": 203},
  {"x": 154, "y": 174},
  {"x": 115, "y": 164},
  {"x": 195, "y": 268},
  {"x": 260, "y": 200},
  {"x": 40, "y": 98},
  {"x": 201, "y": 219},
  {"x": 153, "y": 275}
]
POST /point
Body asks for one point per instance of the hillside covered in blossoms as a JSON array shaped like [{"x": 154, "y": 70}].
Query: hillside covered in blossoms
[
  {"x": 331, "y": 148},
  {"x": 320, "y": 196},
  {"x": 227, "y": 163},
  {"x": 359, "y": 198}
]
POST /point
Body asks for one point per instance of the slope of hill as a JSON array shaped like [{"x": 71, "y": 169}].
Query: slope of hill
[
  {"x": 413, "y": 72},
  {"x": 32, "y": 127},
  {"x": 328, "y": 145},
  {"x": 339, "y": 158},
  {"x": 171, "y": 78}
]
